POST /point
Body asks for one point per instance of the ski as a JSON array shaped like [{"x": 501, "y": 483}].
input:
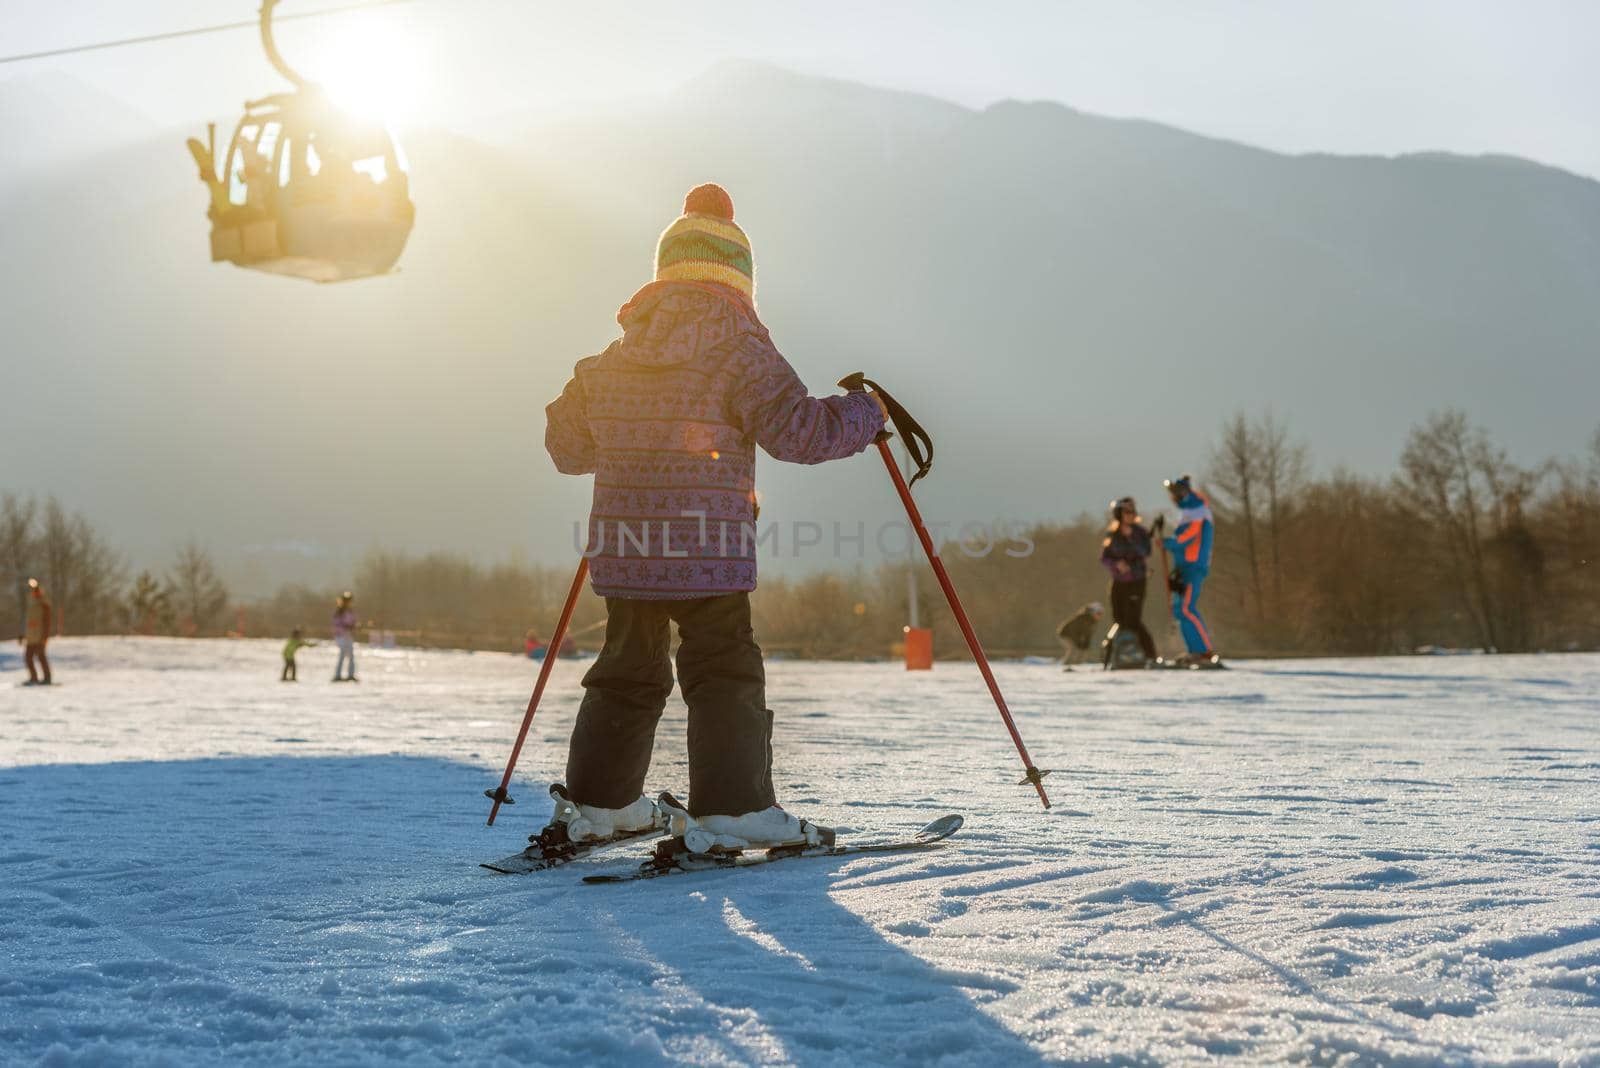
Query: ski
[
  {"x": 538, "y": 857},
  {"x": 1210, "y": 663},
  {"x": 672, "y": 861}
]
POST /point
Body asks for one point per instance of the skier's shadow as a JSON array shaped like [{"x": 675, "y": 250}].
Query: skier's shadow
[
  {"x": 339, "y": 898},
  {"x": 820, "y": 985}
]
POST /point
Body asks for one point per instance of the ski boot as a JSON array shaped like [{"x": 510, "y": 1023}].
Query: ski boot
[
  {"x": 770, "y": 828},
  {"x": 582, "y": 823},
  {"x": 575, "y": 828}
]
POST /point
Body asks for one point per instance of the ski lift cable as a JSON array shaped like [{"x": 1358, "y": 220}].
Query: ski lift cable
[{"x": 196, "y": 31}]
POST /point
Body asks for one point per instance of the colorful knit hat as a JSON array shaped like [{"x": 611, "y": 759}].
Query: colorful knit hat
[{"x": 704, "y": 245}]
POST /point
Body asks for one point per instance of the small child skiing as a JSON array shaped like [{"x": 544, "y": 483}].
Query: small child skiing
[
  {"x": 667, "y": 419},
  {"x": 291, "y": 647},
  {"x": 1076, "y": 634}
]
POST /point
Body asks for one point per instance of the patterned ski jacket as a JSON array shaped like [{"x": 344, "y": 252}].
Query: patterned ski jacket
[
  {"x": 667, "y": 419},
  {"x": 1190, "y": 543},
  {"x": 1128, "y": 545}
]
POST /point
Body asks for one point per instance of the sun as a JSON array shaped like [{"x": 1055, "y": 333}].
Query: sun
[{"x": 370, "y": 67}]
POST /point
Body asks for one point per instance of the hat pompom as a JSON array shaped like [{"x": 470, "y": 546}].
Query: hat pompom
[{"x": 709, "y": 199}]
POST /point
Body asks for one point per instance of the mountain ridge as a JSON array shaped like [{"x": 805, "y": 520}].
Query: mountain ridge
[{"x": 1031, "y": 279}]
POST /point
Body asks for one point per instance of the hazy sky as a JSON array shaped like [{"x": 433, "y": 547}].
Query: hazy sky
[
  {"x": 1374, "y": 76},
  {"x": 1380, "y": 76}
]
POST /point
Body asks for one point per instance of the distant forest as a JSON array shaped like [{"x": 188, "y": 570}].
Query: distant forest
[{"x": 1460, "y": 548}]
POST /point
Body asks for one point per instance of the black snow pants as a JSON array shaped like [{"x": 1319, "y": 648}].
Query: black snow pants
[
  {"x": 724, "y": 684},
  {"x": 1127, "y": 611}
]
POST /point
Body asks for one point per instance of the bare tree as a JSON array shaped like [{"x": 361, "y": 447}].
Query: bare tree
[
  {"x": 1356, "y": 581},
  {"x": 197, "y": 594},
  {"x": 149, "y": 607},
  {"x": 98, "y": 581},
  {"x": 1443, "y": 465},
  {"x": 1236, "y": 471},
  {"x": 61, "y": 551},
  {"x": 18, "y": 548},
  {"x": 1283, "y": 464}
]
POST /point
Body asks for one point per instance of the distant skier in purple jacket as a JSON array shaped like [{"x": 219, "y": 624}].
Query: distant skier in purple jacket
[
  {"x": 344, "y": 636},
  {"x": 667, "y": 419}
]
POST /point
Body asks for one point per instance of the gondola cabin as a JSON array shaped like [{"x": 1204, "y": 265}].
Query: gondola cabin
[{"x": 305, "y": 189}]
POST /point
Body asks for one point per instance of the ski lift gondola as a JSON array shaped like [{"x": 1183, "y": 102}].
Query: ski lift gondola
[{"x": 305, "y": 189}]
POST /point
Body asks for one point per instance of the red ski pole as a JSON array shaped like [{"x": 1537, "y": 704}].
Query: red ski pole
[
  {"x": 1033, "y": 775},
  {"x": 552, "y": 652},
  {"x": 920, "y": 447}
]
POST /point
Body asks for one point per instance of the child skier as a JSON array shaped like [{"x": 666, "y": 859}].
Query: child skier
[
  {"x": 667, "y": 419},
  {"x": 1077, "y": 632},
  {"x": 1190, "y": 546},
  {"x": 292, "y": 646}
]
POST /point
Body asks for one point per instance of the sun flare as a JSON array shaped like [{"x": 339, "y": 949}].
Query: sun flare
[{"x": 369, "y": 67}]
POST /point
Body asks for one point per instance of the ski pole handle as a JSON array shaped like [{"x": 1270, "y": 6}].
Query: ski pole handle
[{"x": 919, "y": 446}]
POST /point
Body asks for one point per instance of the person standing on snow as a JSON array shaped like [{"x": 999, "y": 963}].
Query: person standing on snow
[
  {"x": 1125, "y": 552},
  {"x": 36, "y": 634},
  {"x": 1190, "y": 546},
  {"x": 667, "y": 419},
  {"x": 344, "y": 636}
]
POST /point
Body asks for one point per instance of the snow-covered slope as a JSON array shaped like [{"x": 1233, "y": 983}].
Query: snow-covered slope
[{"x": 1390, "y": 861}]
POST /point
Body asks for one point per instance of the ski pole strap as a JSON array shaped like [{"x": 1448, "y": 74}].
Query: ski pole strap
[{"x": 918, "y": 444}]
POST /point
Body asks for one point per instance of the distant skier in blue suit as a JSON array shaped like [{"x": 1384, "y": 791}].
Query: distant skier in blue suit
[{"x": 1190, "y": 546}]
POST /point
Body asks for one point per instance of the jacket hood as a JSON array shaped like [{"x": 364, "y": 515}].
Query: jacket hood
[
  {"x": 1194, "y": 507},
  {"x": 671, "y": 323}
]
